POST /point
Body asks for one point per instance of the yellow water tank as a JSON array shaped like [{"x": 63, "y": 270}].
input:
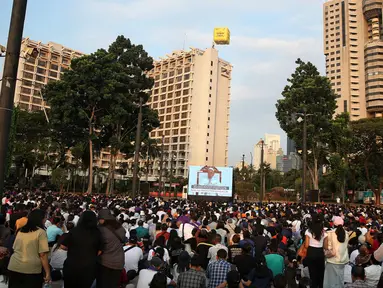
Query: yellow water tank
[{"x": 222, "y": 36}]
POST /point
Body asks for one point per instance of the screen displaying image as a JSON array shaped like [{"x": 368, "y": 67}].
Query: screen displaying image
[{"x": 210, "y": 181}]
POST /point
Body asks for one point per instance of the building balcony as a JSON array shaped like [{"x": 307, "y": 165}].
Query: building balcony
[
  {"x": 375, "y": 105},
  {"x": 372, "y": 8}
]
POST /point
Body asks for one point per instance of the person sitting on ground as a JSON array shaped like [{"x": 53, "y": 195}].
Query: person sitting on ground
[
  {"x": 194, "y": 277},
  {"x": 54, "y": 231},
  {"x": 146, "y": 275},
  {"x": 217, "y": 270},
  {"x": 358, "y": 278}
]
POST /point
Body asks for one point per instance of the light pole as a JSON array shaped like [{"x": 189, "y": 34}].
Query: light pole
[
  {"x": 137, "y": 149},
  {"x": 172, "y": 158},
  {"x": 9, "y": 80},
  {"x": 161, "y": 165},
  {"x": 304, "y": 156},
  {"x": 261, "y": 168}
]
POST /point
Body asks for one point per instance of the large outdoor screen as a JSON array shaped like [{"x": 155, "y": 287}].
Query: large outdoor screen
[{"x": 210, "y": 181}]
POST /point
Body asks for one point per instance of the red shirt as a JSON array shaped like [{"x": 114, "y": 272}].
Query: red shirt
[{"x": 163, "y": 233}]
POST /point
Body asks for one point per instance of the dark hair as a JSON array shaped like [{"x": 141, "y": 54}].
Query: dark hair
[
  {"x": 87, "y": 221},
  {"x": 340, "y": 234},
  {"x": 164, "y": 227},
  {"x": 280, "y": 281},
  {"x": 35, "y": 221},
  {"x": 56, "y": 220},
  {"x": 159, "y": 252},
  {"x": 60, "y": 241},
  {"x": 159, "y": 281},
  {"x": 316, "y": 228},
  {"x": 195, "y": 261},
  {"x": 236, "y": 238},
  {"x": 222, "y": 254},
  {"x": 358, "y": 272},
  {"x": 305, "y": 282},
  {"x": 246, "y": 249}
]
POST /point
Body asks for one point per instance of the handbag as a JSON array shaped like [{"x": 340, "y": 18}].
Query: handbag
[{"x": 302, "y": 251}]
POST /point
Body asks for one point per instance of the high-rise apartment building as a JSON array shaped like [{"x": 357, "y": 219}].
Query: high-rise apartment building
[
  {"x": 34, "y": 73},
  {"x": 192, "y": 96},
  {"x": 354, "y": 54}
]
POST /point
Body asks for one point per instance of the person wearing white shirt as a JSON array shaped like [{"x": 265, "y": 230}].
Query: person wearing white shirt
[
  {"x": 133, "y": 254},
  {"x": 212, "y": 254},
  {"x": 373, "y": 272},
  {"x": 146, "y": 275},
  {"x": 186, "y": 232}
]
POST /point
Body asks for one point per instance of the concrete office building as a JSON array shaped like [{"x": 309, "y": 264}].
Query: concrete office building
[
  {"x": 354, "y": 54},
  {"x": 192, "y": 96}
]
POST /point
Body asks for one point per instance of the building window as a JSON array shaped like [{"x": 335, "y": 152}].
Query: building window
[
  {"x": 209, "y": 110},
  {"x": 207, "y": 150},
  {"x": 211, "y": 63},
  {"x": 208, "y": 118},
  {"x": 207, "y": 158},
  {"x": 209, "y": 103}
]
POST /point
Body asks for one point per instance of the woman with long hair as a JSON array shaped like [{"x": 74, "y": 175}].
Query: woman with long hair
[
  {"x": 112, "y": 260},
  {"x": 83, "y": 244},
  {"x": 30, "y": 254},
  {"x": 315, "y": 241},
  {"x": 337, "y": 255}
]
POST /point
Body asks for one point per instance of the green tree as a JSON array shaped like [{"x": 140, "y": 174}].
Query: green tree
[
  {"x": 31, "y": 146},
  {"x": 339, "y": 144},
  {"x": 367, "y": 150},
  {"x": 309, "y": 93},
  {"x": 59, "y": 178}
]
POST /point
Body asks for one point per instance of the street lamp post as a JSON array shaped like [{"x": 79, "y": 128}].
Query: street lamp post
[
  {"x": 161, "y": 165},
  {"x": 137, "y": 149},
  {"x": 304, "y": 156},
  {"x": 9, "y": 80},
  {"x": 261, "y": 168}
]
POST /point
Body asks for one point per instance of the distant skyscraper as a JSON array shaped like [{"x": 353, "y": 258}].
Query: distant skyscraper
[
  {"x": 291, "y": 146},
  {"x": 353, "y": 45},
  {"x": 271, "y": 147},
  {"x": 273, "y": 141}
]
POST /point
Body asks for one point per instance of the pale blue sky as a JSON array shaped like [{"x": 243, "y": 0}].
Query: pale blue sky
[{"x": 267, "y": 37}]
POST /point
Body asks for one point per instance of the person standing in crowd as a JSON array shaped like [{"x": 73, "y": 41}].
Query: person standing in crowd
[
  {"x": 337, "y": 255},
  {"x": 217, "y": 270},
  {"x": 111, "y": 261},
  {"x": 83, "y": 244},
  {"x": 194, "y": 277},
  {"x": 315, "y": 241},
  {"x": 30, "y": 254}
]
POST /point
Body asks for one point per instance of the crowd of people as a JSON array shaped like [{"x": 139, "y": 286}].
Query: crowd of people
[{"x": 99, "y": 241}]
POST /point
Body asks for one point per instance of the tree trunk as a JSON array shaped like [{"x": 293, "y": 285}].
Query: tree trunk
[
  {"x": 109, "y": 175},
  {"x": 90, "y": 174}
]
